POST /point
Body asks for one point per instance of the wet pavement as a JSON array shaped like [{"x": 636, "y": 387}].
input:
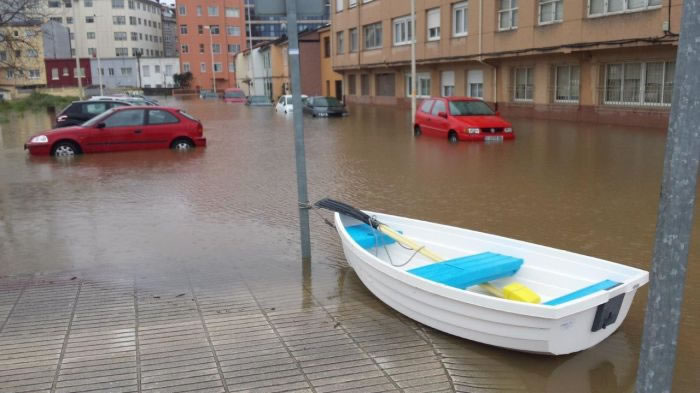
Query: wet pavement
[{"x": 159, "y": 271}]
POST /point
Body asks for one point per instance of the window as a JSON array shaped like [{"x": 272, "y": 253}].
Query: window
[
  {"x": 199, "y": 10},
  {"x": 433, "y": 17},
  {"x": 156, "y": 116},
  {"x": 605, "y": 7},
  {"x": 403, "y": 31},
  {"x": 92, "y": 52},
  {"x": 156, "y": 69},
  {"x": 122, "y": 51},
  {"x": 202, "y": 67},
  {"x": 32, "y": 53},
  {"x": 134, "y": 36},
  {"x": 352, "y": 3},
  {"x": 326, "y": 47},
  {"x": 183, "y": 10},
  {"x": 447, "y": 80},
  {"x": 231, "y": 67},
  {"x": 110, "y": 71},
  {"x": 353, "y": 40},
  {"x": 385, "y": 85},
  {"x": 132, "y": 20},
  {"x": 551, "y": 11},
  {"x": 234, "y": 48},
  {"x": 364, "y": 84},
  {"x": 201, "y": 48},
  {"x": 3, "y": 55},
  {"x": 131, "y": 5},
  {"x": 10, "y": 73},
  {"x": 233, "y": 13},
  {"x": 373, "y": 35},
  {"x": 460, "y": 19},
  {"x": 213, "y": 11},
  {"x": 68, "y": 3},
  {"x": 639, "y": 83},
  {"x": 117, "y": 3},
  {"x": 507, "y": 15},
  {"x": 146, "y": 69},
  {"x": 185, "y": 67},
  {"x": 214, "y": 29},
  {"x": 69, "y": 20},
  {"x": 89, "y": 19},
  {"x": 523, "y": 78},
  {"x": 71, "y": 35},
  {"x": 352, "y": 85},
  {"x": 566, "y": 83},
  {"x": 339, "y": 42},
  {"x": 233, "y": 31},
  {"x": 200, "y": 29},
  {"x": 216, "y": 48},
  {"x": 126, "y": 70},
  {"x": 87, "y": 3},
  {"x": 34, "y": 74},
  {"x": 438, "y": 108},
  {"x": 54, "y": 3},
  {"x": 475, "y": 83},
  {"x": 119, "y": 20},
  {"x": 56, "y": 19},
  {"x": 120, "y": 35},
  {"x": 339, "y": 5},
  {"x": 91, "y": 35},
  {"x": 65, "y": 71},
  {"x": 125, "y": 118},
  {"x": 82, "y": 72},
  {"x": 168, "y": 69},
  {"x": 54, "y": 74},
  {"x": 217, "y": 67}
]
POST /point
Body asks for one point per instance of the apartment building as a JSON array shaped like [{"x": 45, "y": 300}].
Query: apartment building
[
  {"x": 22, "y": 59},
  {"x": 331, "y": 81},
  {"x": 591, "y": 60},
  {"x": 170, "y": 42},
  {"x": 268, "y": 28},
  {"x": 115, "y": 28},
  {"x": 211, "y": 32}
]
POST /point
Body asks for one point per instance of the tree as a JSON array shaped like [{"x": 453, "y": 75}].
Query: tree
[
  {"x": 183, "y": 80},
  {"x": 20, "y": 28}
]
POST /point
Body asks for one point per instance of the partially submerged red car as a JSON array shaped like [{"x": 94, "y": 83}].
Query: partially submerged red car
[
  {"x": 460, "y": 118},
  {"x": 120, "y": 129}
]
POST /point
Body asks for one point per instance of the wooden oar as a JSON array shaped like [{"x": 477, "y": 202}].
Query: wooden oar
[{"x": 513, "y": 291}]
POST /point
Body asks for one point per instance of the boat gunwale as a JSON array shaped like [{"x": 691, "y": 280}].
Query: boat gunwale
[{"x": 631, "y": 284}]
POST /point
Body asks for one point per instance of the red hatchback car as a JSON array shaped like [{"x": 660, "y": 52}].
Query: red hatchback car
[
  {"x": 460, "y": 118},
  {"x": 120, "y": 129}
]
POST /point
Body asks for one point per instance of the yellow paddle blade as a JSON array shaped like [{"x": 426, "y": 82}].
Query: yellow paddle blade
[{"x": 521, "y": 293}]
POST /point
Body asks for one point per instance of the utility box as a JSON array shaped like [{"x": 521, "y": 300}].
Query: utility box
[{"x": 279, "y": 7}]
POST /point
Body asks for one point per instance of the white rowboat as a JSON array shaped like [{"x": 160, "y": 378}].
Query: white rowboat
[{"x": 588, "y": 297}]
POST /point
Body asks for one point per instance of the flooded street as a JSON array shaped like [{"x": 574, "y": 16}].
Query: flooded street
[{"x": 227, "y": 214}]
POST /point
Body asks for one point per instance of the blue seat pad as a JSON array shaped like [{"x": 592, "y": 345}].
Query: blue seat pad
[
  {"x": 600, "y": 286},
  {"x": 470, "y": 270},
  {"x": 368, "y": 237}
]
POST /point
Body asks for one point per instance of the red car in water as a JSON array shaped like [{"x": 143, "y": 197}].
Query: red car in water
[
  {"x": 120, "y": 129},
  {"x": 460, "y": 118}
]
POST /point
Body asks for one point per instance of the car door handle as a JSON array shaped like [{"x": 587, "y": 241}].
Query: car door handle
[{"x": 138, "y": 131}]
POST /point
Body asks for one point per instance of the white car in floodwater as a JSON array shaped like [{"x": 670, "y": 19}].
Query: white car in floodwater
[{"x": 284, "y": 104}]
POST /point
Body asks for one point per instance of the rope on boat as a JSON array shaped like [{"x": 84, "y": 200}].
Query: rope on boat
[{"x": 391, "y": 261}]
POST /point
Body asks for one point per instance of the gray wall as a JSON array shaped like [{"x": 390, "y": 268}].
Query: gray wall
[
  {"x": 56, "y": 41},
  {"x": 118, "y": 79}
]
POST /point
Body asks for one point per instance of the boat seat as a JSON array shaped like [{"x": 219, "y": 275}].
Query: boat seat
[
  {"x": 465, "y": 272},
  {"x": 368, "y": 237},
  {"x": 600, "y": 286}
]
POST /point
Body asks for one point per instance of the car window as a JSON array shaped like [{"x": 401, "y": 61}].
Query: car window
[
  {"x": 438, "y": 107},
  {"x": 156, "y": 116},
  {"x": 469, "y": 108},
  {"x": 125, "y": 118},
  {"x": 72, "y": 109},
  {"x": 95, "y": 108},
  {"x": 425, "y": 107}
]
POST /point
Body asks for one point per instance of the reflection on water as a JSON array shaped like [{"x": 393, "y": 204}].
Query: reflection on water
[{"x": 586, "y": 188}]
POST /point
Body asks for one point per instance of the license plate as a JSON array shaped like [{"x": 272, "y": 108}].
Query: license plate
[{"x": 493, "y": 138}]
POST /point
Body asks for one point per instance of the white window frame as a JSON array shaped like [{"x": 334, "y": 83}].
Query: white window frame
[
  {"x": 625, "y": 8},
  {"x": 340, "y": 42},
  {"x": 479, "y": 84},
  {"x": 404, "y": 26},
  {"x": 512, "y": 13},
  {"x": 232, "y": 12},
  {"x": 353, "y": 40},
  {"x": 352, "y": 3},
  {"x": 376, "y": 28},
  {"x": 555, "y": 4},
  {"x": 202, "y": 67},
  {"x": 217, "y": 67},
  {"x": 432, "y": 31},
  {"x": 182, "y": 10},
  {"x": 569, "y": 68},
  {"x": 212, "y": 10},
  {"x": 642, "y": 84},
  {"x": 420, "y": 76},
  {"x": 444, "y": 84},
  {"x": 464, "y": 8},
  {"x": 339, "y": 5},
  {"x": 185, "y": 67},
  {"x": 529, "y": 69}
]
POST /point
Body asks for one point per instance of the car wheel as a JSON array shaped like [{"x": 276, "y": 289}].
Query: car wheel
[
  {"x": 452, "y": 137},
  {"x": 65, "y": 149},
  {"x": 182, "y": 145},
  {"x": 416, "y": 131}
]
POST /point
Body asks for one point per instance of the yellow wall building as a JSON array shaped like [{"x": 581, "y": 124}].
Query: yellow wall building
[{"x": 22, "y": 59}]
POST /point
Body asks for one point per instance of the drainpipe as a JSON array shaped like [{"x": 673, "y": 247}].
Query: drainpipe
[
  {"x": 480, "y": 58},
  {"x": 413, "y": 63}
]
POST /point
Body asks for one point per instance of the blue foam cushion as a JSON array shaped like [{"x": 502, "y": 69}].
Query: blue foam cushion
[
  {"x": 471, "y": 270},
  {"x": 368, "y": 237},
  {"x": 601, "y": 286}
]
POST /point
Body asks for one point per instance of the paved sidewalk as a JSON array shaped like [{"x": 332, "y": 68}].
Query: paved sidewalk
[{"x": 75, "y": 333}]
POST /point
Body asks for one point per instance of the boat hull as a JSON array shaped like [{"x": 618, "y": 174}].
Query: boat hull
[{"x": 553, "y": 333}]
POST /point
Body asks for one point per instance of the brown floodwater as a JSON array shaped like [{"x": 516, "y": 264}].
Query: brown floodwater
[{"x": 587, "y": 188}]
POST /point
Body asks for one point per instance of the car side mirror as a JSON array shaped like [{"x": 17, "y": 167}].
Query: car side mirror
[
  {"x": 101, "y": 125},
  {"x": 443, "y": 114}
]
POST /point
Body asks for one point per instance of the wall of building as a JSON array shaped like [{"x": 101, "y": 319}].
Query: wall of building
[
  {"x": 196, "y": 46},
  {"x": 116, "y": 72},
  {"x": 62, "y": 72},
  {"x": 331, "y": 81},
  {"x": 158, "y": 72},
  {"x": 26, "y": 58},
  {"x": 56, "y": 40},
  {"x": 586, "y": 43},
  {"x": 170, "y": 42},
  {"x": 97, "y": 18}
]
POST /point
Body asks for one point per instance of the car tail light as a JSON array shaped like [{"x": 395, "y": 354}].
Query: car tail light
[{"x": 200, "y": 129}]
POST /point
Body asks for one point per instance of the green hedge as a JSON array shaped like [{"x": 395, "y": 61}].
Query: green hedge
[{"x": 36, "y": 101}]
